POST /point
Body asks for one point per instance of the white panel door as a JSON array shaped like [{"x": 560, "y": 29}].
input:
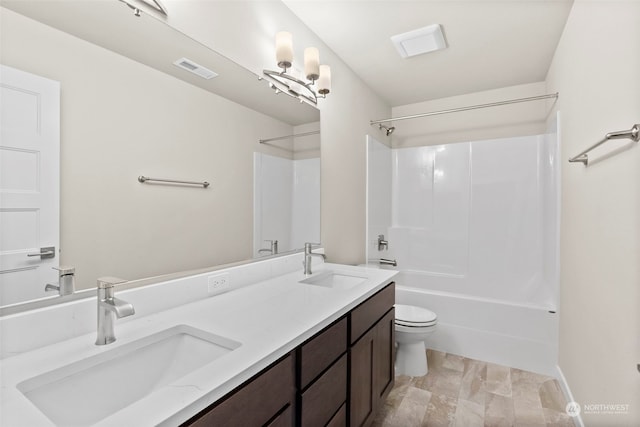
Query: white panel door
[{"x": 29, "y": 183}]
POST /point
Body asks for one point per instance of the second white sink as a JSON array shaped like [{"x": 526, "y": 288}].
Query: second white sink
[
  {"x": 335, "y": 280},
  {"x": 90, "y": 390}
]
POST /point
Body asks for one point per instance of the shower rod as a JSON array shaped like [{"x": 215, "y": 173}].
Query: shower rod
[
  {"x": 278, "y": 138},
  {"x": 472, "y": 107}
]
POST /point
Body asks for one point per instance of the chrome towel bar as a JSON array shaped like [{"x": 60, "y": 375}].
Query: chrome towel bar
[
  {"x": 633, "y": 134},
  {"x": 144, "y": 179}
]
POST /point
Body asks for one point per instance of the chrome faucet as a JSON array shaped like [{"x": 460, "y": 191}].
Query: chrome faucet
[
  {"x": 308, "y": 255},
  {"x": 66, "y": 281},
  {"x": 273, "y": 250},
  {"x": 382, "y": 244},
  {"x": 109, "y": 308}
]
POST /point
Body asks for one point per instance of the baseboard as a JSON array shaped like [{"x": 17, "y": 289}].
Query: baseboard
[{"x": 577, "y": 421}]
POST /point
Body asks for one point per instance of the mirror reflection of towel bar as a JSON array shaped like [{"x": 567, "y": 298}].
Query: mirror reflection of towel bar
[{"x": 144, "y": 179}]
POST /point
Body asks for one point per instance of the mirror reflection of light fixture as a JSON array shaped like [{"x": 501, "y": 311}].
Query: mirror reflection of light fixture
[{"x": 292, "y": 83}]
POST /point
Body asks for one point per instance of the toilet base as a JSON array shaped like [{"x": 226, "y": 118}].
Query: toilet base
[{"x": 411, "y": 359}]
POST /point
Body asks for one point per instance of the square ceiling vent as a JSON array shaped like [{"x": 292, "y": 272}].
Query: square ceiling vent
[{"x": 417, "y": 42}]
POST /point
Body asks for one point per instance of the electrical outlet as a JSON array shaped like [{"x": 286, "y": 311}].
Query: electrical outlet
[{"x": 218, "y": 284}]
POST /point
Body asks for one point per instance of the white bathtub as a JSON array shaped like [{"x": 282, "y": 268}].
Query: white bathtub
[{"x": 511, "y": 334}]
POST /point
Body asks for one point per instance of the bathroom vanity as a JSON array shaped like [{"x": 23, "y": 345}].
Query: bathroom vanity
[
  {"x": 341, "y": 376},
  {"x": 280, "y": 348}
]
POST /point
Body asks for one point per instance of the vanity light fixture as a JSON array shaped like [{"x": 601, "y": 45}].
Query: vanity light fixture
[{"x": 292, "y": 83}]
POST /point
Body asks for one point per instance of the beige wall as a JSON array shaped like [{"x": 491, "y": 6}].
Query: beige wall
[
  {"x": 120, "y": 119},
  {"x": 596, "y": 69},
  {"x": 245, "y": 31},
  {"x": 520, "y": 119}
]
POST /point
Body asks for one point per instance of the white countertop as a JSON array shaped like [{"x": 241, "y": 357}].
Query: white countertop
[{"x": 270, "y": 318}]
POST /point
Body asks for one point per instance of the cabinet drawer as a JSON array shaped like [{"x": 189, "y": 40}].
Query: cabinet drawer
[
  {"x": 257, "y": 401},
  {"x": 321, "y": 351},
  {"x": 285, "y": 419},
  {"x": 325, "y": 396},
  {"x": 340, "y": 418},
  {"x": 369, "y": 312}
]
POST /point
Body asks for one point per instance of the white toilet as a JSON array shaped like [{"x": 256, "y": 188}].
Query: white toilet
[{"x": 413, "y": 326}]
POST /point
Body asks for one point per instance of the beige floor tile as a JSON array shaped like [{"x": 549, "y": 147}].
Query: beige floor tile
[
  {"x": 441, "y": 411},
  {"x": 473, "y": 378},
  {"x": 447, "y": 382},
  {"x": 498, "y": 379},
  {"x": 527, "y": 408},
  {"x": 518, "y": 376},
  {"x": 551, "y": 396},
  {"x": 412, "y": 409},
  {"x": 464, "y": 392},
  {"x": 498, "y": 411},
  {"x": 453, "y": 362},
  {"x": 468, "y": 414},
  {"x": 557, "y": 419},
  {"x": 435, "y": 359}
]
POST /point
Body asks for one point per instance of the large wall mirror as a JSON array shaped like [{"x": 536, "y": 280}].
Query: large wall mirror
[{"x": 126, "y": 110}]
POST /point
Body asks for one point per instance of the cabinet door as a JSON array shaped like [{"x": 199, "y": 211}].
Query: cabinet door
[
  {"x": 384, "y": 358},
  {"x": 361, "y": 380},
  {"x": 372, "y": 371}
]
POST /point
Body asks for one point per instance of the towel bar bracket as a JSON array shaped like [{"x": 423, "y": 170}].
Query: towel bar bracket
[{"x": 632, "y": 134}]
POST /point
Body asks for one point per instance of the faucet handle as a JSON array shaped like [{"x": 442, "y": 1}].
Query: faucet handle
[
  {"x": 109, "y": 282},
  {"x": 63, "y": 270}
]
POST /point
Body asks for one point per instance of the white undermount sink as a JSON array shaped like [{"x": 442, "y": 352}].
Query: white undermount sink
[
  {"x": 92, "y": 389},
  {"x": 335, "y": 279}
]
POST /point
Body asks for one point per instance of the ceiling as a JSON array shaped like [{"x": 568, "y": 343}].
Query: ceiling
[{"x": 491, "y": 44}]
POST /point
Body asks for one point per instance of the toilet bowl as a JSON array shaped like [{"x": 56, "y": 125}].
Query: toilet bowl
[{"x": 413, "y": 325}]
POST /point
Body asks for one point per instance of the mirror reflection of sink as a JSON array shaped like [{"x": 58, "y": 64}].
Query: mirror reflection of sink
[
  {"x": 92, "y": 389},
  {"x": 335, "y": 280}
]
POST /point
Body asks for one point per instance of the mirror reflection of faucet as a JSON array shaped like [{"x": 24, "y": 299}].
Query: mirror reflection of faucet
[
  {"x": 273, "y": 249},
  {"x": 66, "y": 281}
]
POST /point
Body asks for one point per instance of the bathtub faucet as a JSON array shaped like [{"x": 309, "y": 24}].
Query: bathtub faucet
[{"x": 385, "y": 261}]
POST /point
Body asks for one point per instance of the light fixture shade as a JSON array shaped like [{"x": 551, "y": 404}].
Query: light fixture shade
[
  {"x": 284, "y": 49},
  {"x": 311, "y": 63},
  {"x": 324, "y": 81}
]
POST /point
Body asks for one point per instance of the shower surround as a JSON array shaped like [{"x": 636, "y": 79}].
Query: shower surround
[{"x": 474, "y": 228}]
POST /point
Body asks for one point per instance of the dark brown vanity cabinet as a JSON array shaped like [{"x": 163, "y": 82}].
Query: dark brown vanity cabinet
[{"x": 339, "y": 377}]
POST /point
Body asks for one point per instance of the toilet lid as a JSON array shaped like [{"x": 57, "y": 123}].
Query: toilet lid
[{"x": 412, "y": 316}]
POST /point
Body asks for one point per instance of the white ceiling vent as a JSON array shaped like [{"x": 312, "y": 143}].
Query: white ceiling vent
[
  {"x": 417, "y": 42},
  {"x": 197, "y": 69}
]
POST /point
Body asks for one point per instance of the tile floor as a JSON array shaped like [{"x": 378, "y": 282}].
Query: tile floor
[{"x": 461, "y": 392}]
